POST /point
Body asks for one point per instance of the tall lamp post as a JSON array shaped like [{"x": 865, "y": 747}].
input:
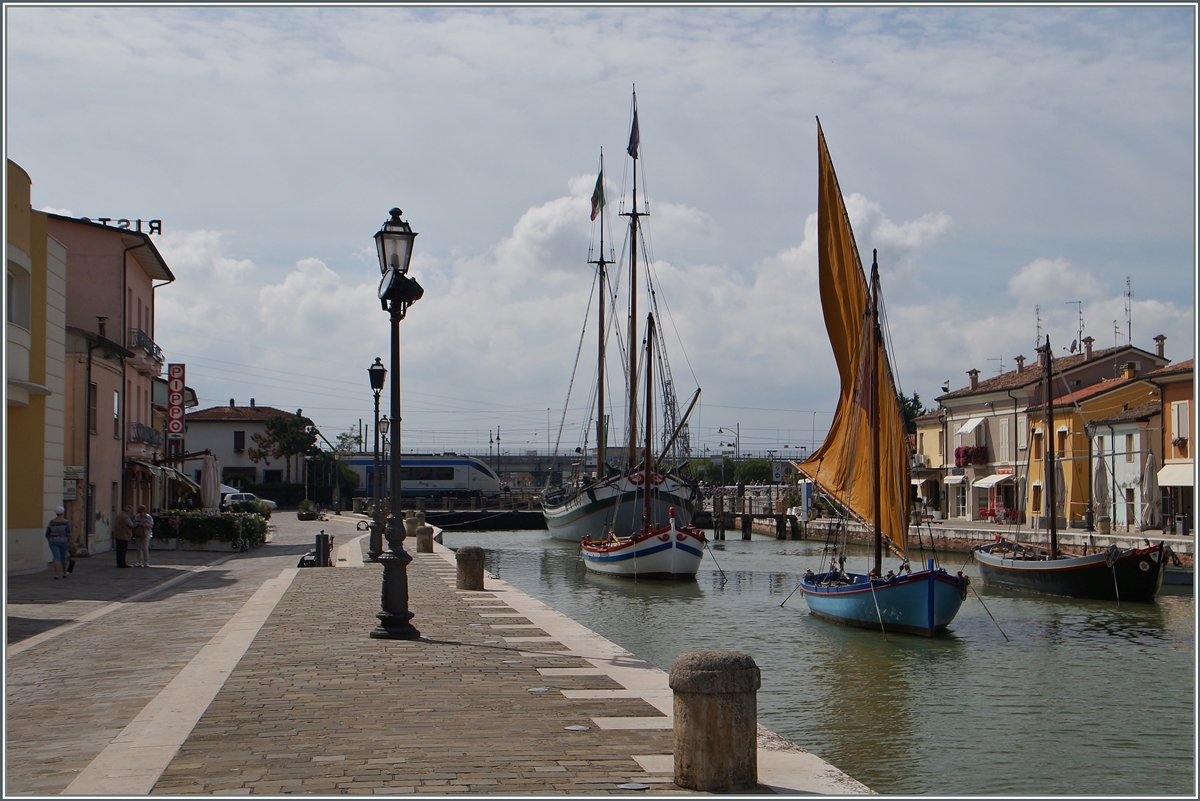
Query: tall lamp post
[
  {"x": 378, "y": 374},
  {"x": 397, "y": 291}
]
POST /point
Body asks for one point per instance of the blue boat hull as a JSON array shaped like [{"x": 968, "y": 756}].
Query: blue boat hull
[{"x": 921, "y": 603}]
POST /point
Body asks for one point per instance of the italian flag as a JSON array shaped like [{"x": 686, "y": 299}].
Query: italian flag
[{"x": 598, "y": 195}]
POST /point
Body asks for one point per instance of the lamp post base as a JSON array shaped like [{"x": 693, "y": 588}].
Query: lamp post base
[
  {"x": 375, "y": 541},
  {"x": 395, "y": 617}
]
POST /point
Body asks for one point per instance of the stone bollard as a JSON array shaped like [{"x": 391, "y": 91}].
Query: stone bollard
[
  {"x": 716, "y": 721},
  {"x": 420, "y": 517},
  {"x": 425, "y": 539},
  {"x": 469, "y": 560},
  {"x": 410, "y": 525}
]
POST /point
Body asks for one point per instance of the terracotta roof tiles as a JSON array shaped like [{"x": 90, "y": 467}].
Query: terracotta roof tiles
[{"x": 249, "y": 414}]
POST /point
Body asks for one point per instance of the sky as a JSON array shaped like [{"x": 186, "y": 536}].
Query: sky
[{"x": 1011, "y": 165}]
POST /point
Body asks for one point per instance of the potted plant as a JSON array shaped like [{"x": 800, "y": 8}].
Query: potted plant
[{"x": 307, "y": 510}]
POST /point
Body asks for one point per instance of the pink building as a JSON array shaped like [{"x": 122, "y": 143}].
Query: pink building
[{"x": 111, "y": 434}]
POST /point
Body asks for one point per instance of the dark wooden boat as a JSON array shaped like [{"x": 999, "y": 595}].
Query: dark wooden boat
[{"x": 1114, "y": 574}]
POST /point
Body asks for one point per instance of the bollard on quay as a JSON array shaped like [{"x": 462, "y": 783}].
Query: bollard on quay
[
  {"x": 469, "y": 560},
  {"x": 424, "y": 538},
  {"x": 716, "y": 721}
]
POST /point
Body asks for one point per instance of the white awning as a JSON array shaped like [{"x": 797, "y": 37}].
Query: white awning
[
  {"x": 916, "y": 482},
  {"x": 178, "y": 475},
  {"x": 991, "y": 481},
  {"x": 969, "y": 426},
  {"x": 1176, "y": 475},
  {"x": 154, "y": 469},
  {"x": 954, "y": 479}
]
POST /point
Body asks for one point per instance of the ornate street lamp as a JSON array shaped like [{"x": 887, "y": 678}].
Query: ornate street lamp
[
  {"x": 378, "y": 374},
  {"x": 397, "y": 292}
]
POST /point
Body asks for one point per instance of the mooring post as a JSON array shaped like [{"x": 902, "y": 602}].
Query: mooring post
[
  {"x": 747, "y": 523},
  {"x": 716, "y": 721},
  {"x": 469, "y": 563},
  {"x": 424, "y": 538}
]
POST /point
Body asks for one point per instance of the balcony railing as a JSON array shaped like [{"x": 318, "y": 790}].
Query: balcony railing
[
  {"x": 140, "y": 432},
  {"x": 139, "y": 340}
]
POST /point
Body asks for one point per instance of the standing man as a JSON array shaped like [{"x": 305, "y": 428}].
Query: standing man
[
  {"x": 58, "y": 536},
  {"x": 123, "y": 533},
  {"x": 143, "y": 530}
]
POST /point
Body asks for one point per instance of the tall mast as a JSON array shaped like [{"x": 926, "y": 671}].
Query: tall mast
[
  {"x": 633, "y": 215},
  {"x": 873, "y": 389},
  {"x": 600, "y": 433},
  {"x": 647, "y": 484},
  {"x": 1049, "y": 456}
]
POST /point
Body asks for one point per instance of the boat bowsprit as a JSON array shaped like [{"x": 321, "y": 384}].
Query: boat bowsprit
[
  {"x": 660, "y": 552},
  {"x": 922, "y": 603}
]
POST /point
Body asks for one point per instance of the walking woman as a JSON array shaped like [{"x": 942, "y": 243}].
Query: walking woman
[
  {"x": 143, "y": 529},
  {"x": 58, "y": 536}
]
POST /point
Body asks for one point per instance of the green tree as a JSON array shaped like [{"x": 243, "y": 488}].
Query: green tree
[
  {"x": 911, "y": 408},
  {"x": 752, "y": 470},
  {"x": 285, "y": 436}
]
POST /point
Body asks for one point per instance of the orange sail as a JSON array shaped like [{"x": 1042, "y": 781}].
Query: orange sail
[{"x": 842, "y": 466}]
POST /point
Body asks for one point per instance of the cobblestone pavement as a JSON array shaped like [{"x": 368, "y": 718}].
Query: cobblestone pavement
[
  {"x": 313, "y": 705},
  {"x": 67, "y": 697},
  {"x": 317, "y": 706}
]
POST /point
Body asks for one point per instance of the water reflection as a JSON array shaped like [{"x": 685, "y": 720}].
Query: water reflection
[{"x": 1064, "y": 697}]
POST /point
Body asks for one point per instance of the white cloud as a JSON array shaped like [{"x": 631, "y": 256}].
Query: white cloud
[{"x": 1053, "y": 281}]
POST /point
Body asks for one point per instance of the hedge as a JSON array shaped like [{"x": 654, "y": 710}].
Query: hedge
[{"x": 197, "y": 528}]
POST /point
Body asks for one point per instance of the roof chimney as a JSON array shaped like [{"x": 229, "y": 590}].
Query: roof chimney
[
  {"x": 1160, "y": 346},
  {"x": 1087, "y": 348},
  {"x": 252, "y": 403},
  {"x": 1129, "y": 370},
  {"x": 974, "y": 374},
  {"x": 1020, "y": 364},
  {"x": 231, "y": 403}
]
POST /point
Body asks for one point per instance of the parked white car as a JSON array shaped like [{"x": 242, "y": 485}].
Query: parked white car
[{"x": 240, "y": 497}]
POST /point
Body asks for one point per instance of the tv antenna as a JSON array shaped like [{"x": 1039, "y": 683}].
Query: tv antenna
[
  {"x": 1078, "y": 343},
  {"x": 1128, "y": 310},
  {"x": 1037, "y": 310},
  {"x": 1001, "y": 360}
]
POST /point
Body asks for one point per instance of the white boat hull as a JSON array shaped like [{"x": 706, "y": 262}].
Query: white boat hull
[
  {"x": 615, "y": 505},
  {"x": 667, "y": 552}
]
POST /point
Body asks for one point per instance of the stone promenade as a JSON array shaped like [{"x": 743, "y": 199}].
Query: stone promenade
[{"x": 239, "y": 674}]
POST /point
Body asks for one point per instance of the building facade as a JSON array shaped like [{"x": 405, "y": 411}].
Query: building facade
[
  {"x": 35, "y": 314},
  {"x": 112, "y": 359},
  {"x": 993, "y": 437},
  {"x": 228, "y": 433},
  {"x": 1177, "y": 476}
]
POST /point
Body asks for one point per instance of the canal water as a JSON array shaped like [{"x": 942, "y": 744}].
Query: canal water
[{"x": 1083, "y": 698}]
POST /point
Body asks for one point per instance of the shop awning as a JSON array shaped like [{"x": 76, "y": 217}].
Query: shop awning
[
  {"x": 969, "y": 426},
  {"x": 178, "y": 475},
  {"x": 991, "y": 481},
  {"x": 916, "y": 482},
  {"x": 1176, "y": 475},
  {"x": 157, "y": 471},
  {"x": 954, "y": 479}
]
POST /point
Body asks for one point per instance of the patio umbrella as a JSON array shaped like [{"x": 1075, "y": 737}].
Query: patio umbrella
[
  {"x": 1100, "y": 489},
  {"x": 1150, "y": 496},
  {"x": 210, "y": 486}
]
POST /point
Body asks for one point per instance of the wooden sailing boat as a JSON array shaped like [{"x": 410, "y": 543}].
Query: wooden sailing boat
[
  {"x": 668, "y": 551},
  {"x": 608, "y": 503},
  {"x": 1114, "y": 574},
  {"x": 869, "y": 480}
]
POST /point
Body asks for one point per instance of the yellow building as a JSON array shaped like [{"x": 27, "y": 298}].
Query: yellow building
[
  {"x": 35, "y": 316},
  {"x": 1077, "y": 455}
]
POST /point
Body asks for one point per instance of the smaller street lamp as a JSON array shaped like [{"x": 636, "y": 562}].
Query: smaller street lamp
[
  {"x": 385, "y": 497},
  {"x": 378, "y": 374}
]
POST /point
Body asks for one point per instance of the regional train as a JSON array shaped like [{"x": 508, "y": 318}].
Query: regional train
[{"x": 425, "y": 476}]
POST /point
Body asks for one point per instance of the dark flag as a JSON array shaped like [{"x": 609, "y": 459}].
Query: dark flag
[
  {"x": 634, "y": 138},
  {"x": 598, "y": 195}
]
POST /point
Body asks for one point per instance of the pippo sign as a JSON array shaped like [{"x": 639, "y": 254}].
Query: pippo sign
[{"x": 175, "y": 376}]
